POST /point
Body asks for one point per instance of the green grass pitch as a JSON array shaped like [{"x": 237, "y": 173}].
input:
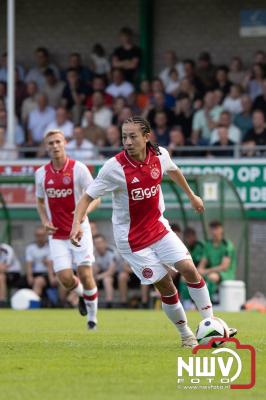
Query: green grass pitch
[{"x": 48, "y": 354}]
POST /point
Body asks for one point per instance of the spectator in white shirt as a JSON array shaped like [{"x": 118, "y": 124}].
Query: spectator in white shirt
[
  {"x": 39, "y": 119},
  {"x": 225, "y": 120},
  {"x": 119, "y": 87},
  {"x": 232, "y": 102},
  {"x": 80, "y": 148},
  {"x": 42, "y": 63},
  {"x": 102, "y": 115},
  {"x": 62, "y": 123}
]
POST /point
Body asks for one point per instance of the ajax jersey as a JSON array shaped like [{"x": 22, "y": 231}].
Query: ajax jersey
[
  {"x": 61, "y": 190},
  {"x": 138, "y": 203}
]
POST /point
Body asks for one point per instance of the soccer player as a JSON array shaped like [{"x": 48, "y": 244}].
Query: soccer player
[
  {"x": 143, "y": 236},
  {"x": 59, "y": 186}
]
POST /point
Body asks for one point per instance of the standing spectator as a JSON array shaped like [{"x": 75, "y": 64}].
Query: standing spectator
[
  {"x": 127, "y": 56},
  {"x": 205, "y": 120},
  {"x": 38, "y": 263},
  {"x": 102, "y": 115},
  {"x": 10, "y": 272},
  {"x": 233, "y": 132},
  {"x": 221, "y": 80},
  {"x": 243, "y": 121},
  {"x": 100, "y": 63},
  {"x": 253, "y": 81},
  {"x": 85, "y": 75},
  {"x": 171, "y": 62},
  {"x": 74, "y": 95},
  {"x": 105, "y": 267},
  {"x": 161, "y": 129},
  {"x": 119, "y": 86},
  {"x": 236, "y": 72},
  {"x": 223, "y": 141},
  {"x": 62, "y": 123},
  {"x": 232, "y": 102},
  {"x": 219, "y": 258},
  {"x": 39, "y": 118},
  {"x": 42, "y": 59},
  {"x": 53, "y": 88},
  {"x": 7, "y": 151},
  {"x": 80, "y": 148},
  {"x": 257, "y": 135},
  {"x": 30, "y": 102},
  {"x": 260, "y": 101},
  {"x": 206, "y": 70}
]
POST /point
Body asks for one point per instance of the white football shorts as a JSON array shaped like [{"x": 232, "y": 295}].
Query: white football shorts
[
  {"x": 153, "y": 263},
  {"x": 65, "y": 255}
]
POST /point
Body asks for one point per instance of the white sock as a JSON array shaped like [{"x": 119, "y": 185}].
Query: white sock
[
  {"x": 200, "y": 295},
  {"x": 175, "y": 312},
  {"x": 78, "y": 288},
  {"x": 91, "y": 300}
]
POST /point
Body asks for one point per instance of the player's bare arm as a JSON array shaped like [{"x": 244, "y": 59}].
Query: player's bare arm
[
  {"x": 79, "y": 215},
  {"x": 49, "y": 227},
  {"x": 93, "y": 205},
  {"x": 195, "y": 200}
]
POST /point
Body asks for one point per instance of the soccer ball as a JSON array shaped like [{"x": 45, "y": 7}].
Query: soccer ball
[{"x": 212, "y": 328}]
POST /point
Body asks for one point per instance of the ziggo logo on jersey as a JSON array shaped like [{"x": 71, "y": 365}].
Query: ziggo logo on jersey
[
  {"x": 140, "y": 194},
  {"x": 56, "y": 193}
]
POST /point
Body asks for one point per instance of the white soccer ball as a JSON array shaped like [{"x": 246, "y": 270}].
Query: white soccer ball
[
  {"x": 212, "y": 328},
  {"x": 25, "y": 299}
]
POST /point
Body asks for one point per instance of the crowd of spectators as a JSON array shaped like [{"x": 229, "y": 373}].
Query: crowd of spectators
[{"x": 191, "y": 102}]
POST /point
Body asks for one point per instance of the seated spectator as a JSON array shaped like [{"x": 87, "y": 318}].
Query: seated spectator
[
  {"x": 157, "y": 104},
  {"x": 173, "y": 84},
  {"x": 186, "y": 88},
  {"x": 158, "y": 86},
  {"x": 99, "y": 61},
  {"x": 161, "y": 129},
  {"x": 205, "y": 120},
  {"x": 195, "y": 247},
  {"x": 7, "y": 151},
  {"x": 30, "y": 102},
  {"x": 184, "y": 115},
  {"x": 221, "y": 80},
  {"x": 127, "y": 56},
  {"x": 105, "y": 267},
  {"x": 39, "y": 118},
  {"x": 10, "y": 272},
  {"x": 176, "y": 139},
  {"x": 260, "y": 101},
  {"x": 260, "y": 58},
  {"x": 80, "y": 148},
  {"x": 92, "y": 132},
  {"x": 74, "y": 95},
  {"x": 62, "y": 123},
  {"x": 243, "y": 121},
  {"x": 39, "y": 271},
  {"x": 171, "y": 62},
  {"x": 20, "y": 93},
  {"x": 85, "y": 75},
  {"x": 226, "y": 121},
  {"x": 256, "y": 136},
  {"x": 19, "y": 133},
  {"x": 132, "y": 103},
  {"x": 253, "y": 81},
  {"x": 191, "y": 75},
  {"x": 223, "y": 141},
  {"x": 219, "y": 258},
  {"x": 102, "y": 115},
  {"x": 119, "y": 86},
  {"x": 144, "y": 94},
  {"x": 113, "y": 139},
  {"x": 98, "y": 84},
  {"x": 236, "y": 72},
  {"x": 53, "y": 88},
  {"x": 232, "y": 102},
  {"x": 218, "y": 97},
  {"x": 206, "y": 70},
  {"x": 118, "y": 105},
  {"x": 3, "y": 69},
  {"x": 36, "y": 74},
  {"x": 124, "y": 114}
]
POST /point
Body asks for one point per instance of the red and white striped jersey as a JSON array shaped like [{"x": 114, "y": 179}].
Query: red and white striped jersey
[
  {"x": 138, "y": 203},
  {"x": 61, "y": 190}
]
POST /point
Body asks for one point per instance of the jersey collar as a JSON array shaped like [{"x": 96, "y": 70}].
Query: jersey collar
[
  {"x": 56, "y": 171},
  {"x": 136, "y": 163}
]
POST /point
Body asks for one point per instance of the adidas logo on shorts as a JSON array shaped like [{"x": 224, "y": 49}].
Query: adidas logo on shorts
[{"x": 135, "y": 180}]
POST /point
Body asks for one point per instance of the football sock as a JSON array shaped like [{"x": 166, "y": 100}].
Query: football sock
[
  {"x": 200, "y": 295},
  {"x": 91, "y": 301},
  {"x": 175, "y": 312},
  {"x": 78, "y": 288}
]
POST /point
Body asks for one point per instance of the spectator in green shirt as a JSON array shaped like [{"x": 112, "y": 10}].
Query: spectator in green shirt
[
  {"x": 219, "y": 258},
  {"x": 195, "y": 248}
]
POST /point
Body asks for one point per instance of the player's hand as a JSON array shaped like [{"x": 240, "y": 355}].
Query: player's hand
[
  {"x": 76, "y": 234},
  {"x": 197, "y": 203},
  {"x": 50, "y": 228}
]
